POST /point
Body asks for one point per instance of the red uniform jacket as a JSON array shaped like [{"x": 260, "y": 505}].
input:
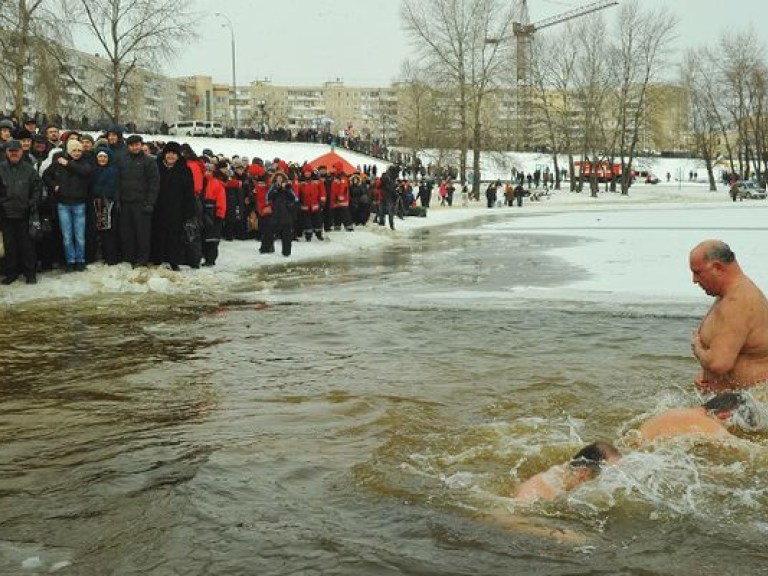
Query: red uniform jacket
[
  {"x": 309, "y": 194},
  {"x": 197, "y": 167},
  {"x": 339, "y": 191},
  {"x": 263, "y": 207},
  {"x": 214, "y": 190},
  {"x": 322, "y": 194}
]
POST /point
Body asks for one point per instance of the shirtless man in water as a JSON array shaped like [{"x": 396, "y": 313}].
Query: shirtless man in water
[
  {"x": 561, "y": 478},
  {"x": 731, "y": 343},
  {"x": 710, "y": 420},
  {"x": 585, "y": 465}
]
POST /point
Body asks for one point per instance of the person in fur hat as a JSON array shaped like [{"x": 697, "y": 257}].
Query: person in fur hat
[{"x": 175, "y": 205}]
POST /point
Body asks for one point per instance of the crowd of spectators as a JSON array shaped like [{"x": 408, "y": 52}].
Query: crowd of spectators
[{"x": 69, "y": 198}]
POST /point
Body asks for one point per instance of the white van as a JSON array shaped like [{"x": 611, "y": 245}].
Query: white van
[
  {"x": 187, "y": 128},
  {"x": 214, "y": 129}
]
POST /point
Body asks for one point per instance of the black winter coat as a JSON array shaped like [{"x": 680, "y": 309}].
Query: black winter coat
[
  {"x": 139, "y": 179},
  {"x": 176, "y": 198},
  {"x": 285, "y": 204},
  {"x": 73, "y": 180},
  {"x": 20, "y": 189}
]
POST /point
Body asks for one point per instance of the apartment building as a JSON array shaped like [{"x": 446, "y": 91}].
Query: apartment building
[{"x": 149, "y": 99}]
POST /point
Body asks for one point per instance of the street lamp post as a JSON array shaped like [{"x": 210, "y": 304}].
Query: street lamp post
[{"x": 234, "y": 77}]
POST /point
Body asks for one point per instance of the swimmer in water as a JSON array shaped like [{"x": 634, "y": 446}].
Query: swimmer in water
[
  {"x": 711, "y": 419},
  {"x": 585, "y": 465},
  {"x": 547, "y": 486}
]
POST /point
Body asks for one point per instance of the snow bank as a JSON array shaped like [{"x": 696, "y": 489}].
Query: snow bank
[{"x": 662, "y": 206}]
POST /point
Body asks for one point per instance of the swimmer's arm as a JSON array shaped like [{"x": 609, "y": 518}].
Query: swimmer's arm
[
  {"x": 505, "y": 519},
  {"x": 729, "y": 329}
]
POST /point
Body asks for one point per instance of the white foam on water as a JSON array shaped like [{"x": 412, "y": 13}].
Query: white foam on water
[
  {"x": 32, "y": 556},
  {"x": 32, "y": 563}
]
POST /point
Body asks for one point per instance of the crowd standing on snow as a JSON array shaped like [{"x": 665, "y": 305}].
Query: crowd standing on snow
[{"x": 67, "y": 200}]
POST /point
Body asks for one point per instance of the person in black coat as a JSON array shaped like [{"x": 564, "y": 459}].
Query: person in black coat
[
  {"x": 139, "y": 180},
  {"x": 20, "y": 188},
  {"x": 388, "y": 196},
  {"x": 285, "y": 204},
  {"x": 175, "y": 205},
  {"x": 360, "y": 203}
]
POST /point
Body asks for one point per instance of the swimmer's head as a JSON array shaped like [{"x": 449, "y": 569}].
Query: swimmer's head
[
  {"x": 737, "y": 409},
  {"x": 725, "y": 402},
  {"x": 593, "y": 456}
]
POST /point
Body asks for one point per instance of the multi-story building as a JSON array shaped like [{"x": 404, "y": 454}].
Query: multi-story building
[
  {"x": 149, "y": 99},
  {"x": 368, "y": 111}
]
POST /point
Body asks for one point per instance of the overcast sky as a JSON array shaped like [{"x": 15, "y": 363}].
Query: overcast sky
[{"x": 362, "y": 42}]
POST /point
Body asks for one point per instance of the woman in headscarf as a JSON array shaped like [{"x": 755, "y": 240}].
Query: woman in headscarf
[{"x": 105, "y": 201}]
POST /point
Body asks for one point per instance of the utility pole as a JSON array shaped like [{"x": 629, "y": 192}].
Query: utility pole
[{"x": 234, "y": 67}]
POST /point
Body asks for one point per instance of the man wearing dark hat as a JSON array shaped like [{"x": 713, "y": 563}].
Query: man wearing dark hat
[
  {"x": 139, "y": 181},
  {"x": 25, "y": 138},
  {"x": 30, "y": 124},
  {"x": 114, "y": 135},
  {"x": 21, "y": 188},
  {"x": 6, "y": 131}
]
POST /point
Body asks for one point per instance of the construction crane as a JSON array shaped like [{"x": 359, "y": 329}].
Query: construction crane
[{"x": 523, "y": 31}]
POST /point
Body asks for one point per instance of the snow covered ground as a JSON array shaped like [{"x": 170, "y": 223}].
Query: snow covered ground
[
  {"x": 494, "y": 165},
  {"x": 642, "y": 239}
]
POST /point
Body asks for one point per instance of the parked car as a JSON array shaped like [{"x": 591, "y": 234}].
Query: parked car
[{"x": 751, "y": 191}]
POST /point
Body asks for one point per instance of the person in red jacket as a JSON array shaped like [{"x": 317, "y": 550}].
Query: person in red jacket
[
  {"x": 193, "y": 245},
  {"x": 265, "y": 232},
  {"x": 214, "y": 211},
  {"x": 311, "y": 215},
  {"x": 318, "y": 216},
  {"x": 196, "y": 165},
  {"x": 340, "y": 199}
]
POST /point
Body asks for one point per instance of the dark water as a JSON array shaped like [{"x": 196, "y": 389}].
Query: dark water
[{"x": 360, "y": 418}]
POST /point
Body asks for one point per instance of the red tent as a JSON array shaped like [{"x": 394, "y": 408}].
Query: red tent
[{"x": 329, "y": 160}]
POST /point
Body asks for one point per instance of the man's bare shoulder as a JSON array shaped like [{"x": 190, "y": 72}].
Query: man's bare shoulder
[
  {"x": 745, "y": 303},
  {"x": 743, "y": 300}
]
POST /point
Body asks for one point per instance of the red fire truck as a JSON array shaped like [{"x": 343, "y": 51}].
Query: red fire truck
[{"x": 605, "y": 172}]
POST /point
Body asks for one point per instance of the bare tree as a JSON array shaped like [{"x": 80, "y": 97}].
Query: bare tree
[
  {"x": 594, "y": 88},
  {"x": 706, "y": 121},
  {"x": 132, "y": 34},
  {"x": 739, "y": 64},
  {"x": 21, "y": 44},
  {"x": 644, "y": 40},
  {"x": 553, "y": 70},
  {"x": 417, "y": 107},
  {"x": 453, "y": 36}
]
